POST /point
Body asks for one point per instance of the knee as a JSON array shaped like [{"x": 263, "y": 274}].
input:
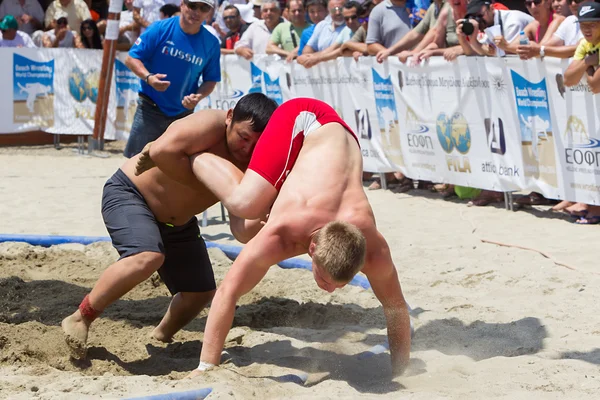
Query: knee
[
  {"x": 197, "y": 299},
  {"x": 146, "y": 263}
]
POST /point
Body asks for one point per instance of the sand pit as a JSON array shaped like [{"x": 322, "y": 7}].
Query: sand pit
[
  {"x": 286, "y": 325},
  {"x": 491, "y": 322}
]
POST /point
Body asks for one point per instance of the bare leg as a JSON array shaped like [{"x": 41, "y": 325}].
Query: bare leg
[
  {"x": 115, "y": 281},
  {"x": 184, "y": 307}
]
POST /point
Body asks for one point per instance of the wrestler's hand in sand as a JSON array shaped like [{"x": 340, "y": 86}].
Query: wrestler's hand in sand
[{"x": 144, "y": 162}]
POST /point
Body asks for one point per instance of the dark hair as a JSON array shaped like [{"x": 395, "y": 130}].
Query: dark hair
[
  {"x": 232, "y": 7},
  {"x": 316, "y": 3},
  {"x": 354, "y": 4},
  {"x": 169, "y": 10},
  {"x": 256, "y": 108},
  {"x": 96, "y": 41}
]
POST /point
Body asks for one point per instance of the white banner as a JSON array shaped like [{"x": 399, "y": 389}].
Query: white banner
[{"x": 491, "y": 123}]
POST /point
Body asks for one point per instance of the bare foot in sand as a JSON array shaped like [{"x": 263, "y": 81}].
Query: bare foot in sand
[
  {"x": 76, "y": 333},
  {"x": 160, "y": 336},
  {"x": 562, "y": 205}
]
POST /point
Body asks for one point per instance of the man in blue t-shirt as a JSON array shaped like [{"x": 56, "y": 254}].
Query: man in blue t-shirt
[{"x": 170, "y": 58}]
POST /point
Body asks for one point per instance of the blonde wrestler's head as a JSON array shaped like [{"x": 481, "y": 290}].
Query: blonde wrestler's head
[{"x": 338, "y": 253}]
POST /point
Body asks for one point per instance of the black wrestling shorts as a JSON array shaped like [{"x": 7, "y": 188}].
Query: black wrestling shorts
[{"x": 134, "y": 229}]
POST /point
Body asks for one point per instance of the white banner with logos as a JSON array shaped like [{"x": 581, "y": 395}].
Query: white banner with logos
[{"x": 492, "y": 123}]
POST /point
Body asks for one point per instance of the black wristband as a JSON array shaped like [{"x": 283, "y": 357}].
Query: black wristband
[{"x": 148, "y": 76}]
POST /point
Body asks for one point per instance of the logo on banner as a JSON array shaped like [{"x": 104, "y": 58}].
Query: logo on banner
[
  {"x": 33, "y": 91},
  {"x": 128, "y": 86},
  {"x": 273, "y": 89},
  {"x": 228, "y": 95},
  {"x": 498, "y": 84},
  {"x": 363, "y": 124},
  {"x": 494, "y": 131},
  {"x": 387, "y": 117},
  {"x": 537, "y": 138},
  {"x": 417, "y": 134},
  {"x": 84, "y": 86},
  {"x": 454, "y": 135},
  {"x": 256, "y": 79},
  {"x": 580, "y": 149}
]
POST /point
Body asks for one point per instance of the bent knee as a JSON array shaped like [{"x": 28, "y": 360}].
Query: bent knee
[{"x": 147, "y": 262}]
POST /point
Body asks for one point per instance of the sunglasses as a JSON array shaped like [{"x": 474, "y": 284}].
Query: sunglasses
[
  {"x": 62, "y": 21},
  {"x": 363, "y": 20},
  {"x": 577, "y": 1},
  {"x": 335, "y": 10},
  {"x": 351, "y": 17},
  {"x": 87, "y": 28},
  {"x": 202, "y": 7},
  {"x": 529, "y": 3},
  {"x": 229, "y": 17}
]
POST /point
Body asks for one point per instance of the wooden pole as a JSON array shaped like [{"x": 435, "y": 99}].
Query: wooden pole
[{"x": 108, "y": 61}]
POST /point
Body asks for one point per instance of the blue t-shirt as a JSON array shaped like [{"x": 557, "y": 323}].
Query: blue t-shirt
[
  {"x": 306, "y": 34},
  {"x": 165, "y": 49}
]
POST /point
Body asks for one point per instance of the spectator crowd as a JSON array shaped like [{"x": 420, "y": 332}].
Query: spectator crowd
[{"x": 313, "y": 31}]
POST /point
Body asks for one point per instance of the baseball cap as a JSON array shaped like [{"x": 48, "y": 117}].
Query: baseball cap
[
  {"x": 256, "y": 3},
  {"x": 9, "y": 22},
  {"x": 588, "y": 12},
  {"x": 474, "y": 7},
  {"x": 60, "y": 14},
  {"x": 209, "y": 2}
]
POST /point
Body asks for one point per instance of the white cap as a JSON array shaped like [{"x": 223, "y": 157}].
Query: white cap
[
  {"x": 246, "y": 12},
  {"x": 60, "y": 14},
  {"x": 209, "y": 2}
]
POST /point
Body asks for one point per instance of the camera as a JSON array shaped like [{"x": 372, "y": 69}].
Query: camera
[{"x": 467, "y": 26}]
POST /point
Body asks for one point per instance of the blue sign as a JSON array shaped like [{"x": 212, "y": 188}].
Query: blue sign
[
  {"x": 273, "y": 89},
  {"x": 256, "y": 79},
  {"x": 532, "y": 107},
  {"x": 128, "y": 84},
  {"x": 32, "y": 79},
  {"x": 385, "y": 101}
]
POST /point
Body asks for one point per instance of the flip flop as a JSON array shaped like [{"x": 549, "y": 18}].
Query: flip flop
[{"x": 593, "y": 220}]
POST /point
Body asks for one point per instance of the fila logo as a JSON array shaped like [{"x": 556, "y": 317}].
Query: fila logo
[
  {"x": 585, "y": 10},
  {"x": 495, "y": 135}
]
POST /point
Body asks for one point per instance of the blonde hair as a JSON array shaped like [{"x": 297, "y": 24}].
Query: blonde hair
[{"x": 340, "y": 250}]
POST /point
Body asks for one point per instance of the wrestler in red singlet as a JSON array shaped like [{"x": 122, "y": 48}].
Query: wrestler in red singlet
[{"x": 278, "y": 147}]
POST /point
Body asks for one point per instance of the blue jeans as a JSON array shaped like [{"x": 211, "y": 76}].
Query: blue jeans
[{"x": 148, "y": 124}]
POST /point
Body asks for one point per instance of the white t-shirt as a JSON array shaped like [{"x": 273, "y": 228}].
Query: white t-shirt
[
  {"x": 30, "y": 7},
  {"x": 513, "y": 22},
  {"x": 256, "y": 37},
  {"x": 569, "y": 32},
  {"x": 126, "y": 19},
  {"x": 21, "y": 40},
  {"x": 68, "y": 40},
  {"x": 150, "y": 9}
]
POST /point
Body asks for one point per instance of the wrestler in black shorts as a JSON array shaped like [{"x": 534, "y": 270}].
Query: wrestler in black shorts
[{"x": 134, "y": 229}]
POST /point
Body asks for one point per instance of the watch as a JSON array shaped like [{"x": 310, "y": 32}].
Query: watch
[
  {"x": 148, "y": 76},
  {"x": 542, "y": 52}
]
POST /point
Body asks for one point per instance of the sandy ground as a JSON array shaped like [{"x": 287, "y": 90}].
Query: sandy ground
[{"x": 491, "y": 321}]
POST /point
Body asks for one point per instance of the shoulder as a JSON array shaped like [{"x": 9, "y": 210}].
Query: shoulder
[{"x": 208, "y": 37}]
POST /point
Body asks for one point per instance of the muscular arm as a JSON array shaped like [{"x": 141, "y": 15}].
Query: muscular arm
[
  {"x": 272, "y": 48},
  {"x": 265, "y": 250},
  {"x": 351, "y": 47},
  {"x": 594, "y": 81},
  {"x": 206, "y": 88},
  {"x": 575, "y": 72},
  {"x": 195, "y": 133},
  {"x": 374, "y": 48},
  {"x": 248, "y": 195},
  {"x": 137, "y": 67},
  {"x": 243, "y": 229},
  {"x": 407, "y": 42},
  {"x": 308, "y": 50},
  {"x": 383, "y": 278}
]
